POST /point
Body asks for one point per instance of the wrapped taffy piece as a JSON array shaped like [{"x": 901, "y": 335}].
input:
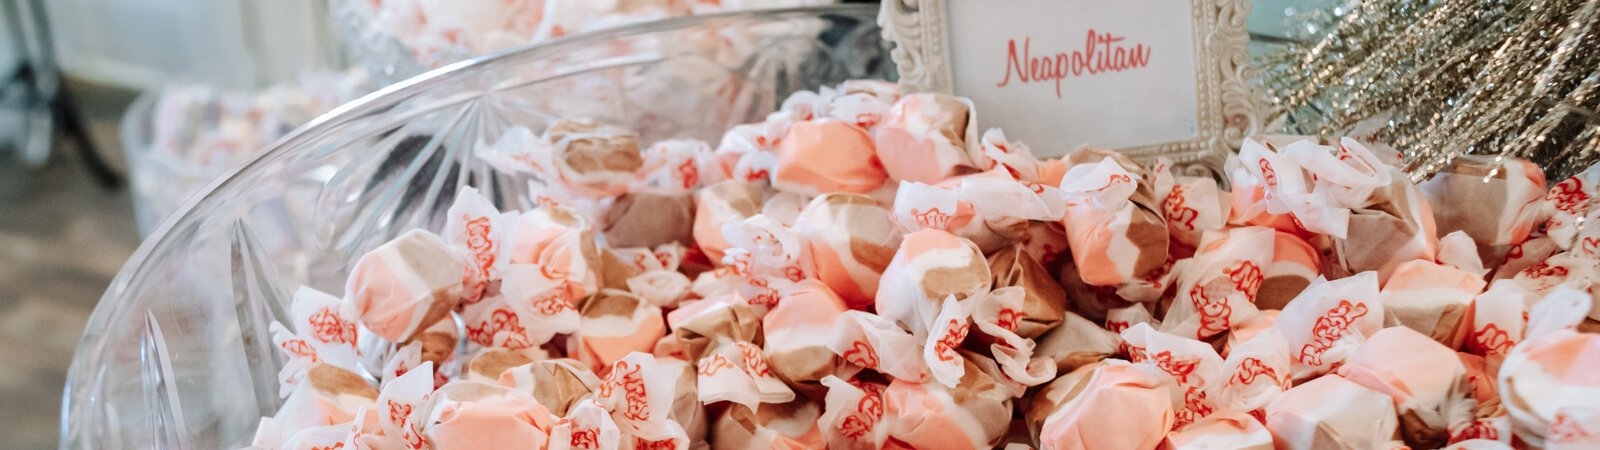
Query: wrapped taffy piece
[
  {"x": 677, "y": 166},
  {"x": 561, "y": 244},
  {"x": 1331, "y": 412},
  {"x": 1073, "y": 412},
  {"x": 1548, "y": 382},
  {"x": 1431, "y": 298},
  {"x": 991, "y": 209},
  {"x": 1115, "y": 226},
  {"x": 472, "y": 415},
  {"x": 929, "y": 137},
  {"x": 1497, "y": 320},
  {"x": 613, "y": 324},
  {"x": 974, "y": 414},
  {"x": 827, "y": 155},
  {"x": 1569, "y": 205},
  {"x": 790, "y": 425},
  {"x": 851, "y": 239},
  {"x": 638, "y": 391},
  {"x": 1425, "y": 379},
  {"x": 1256, "y": 371},
  {"x": 930, "y": 266},
  {"x": 1191, "y": 205},
  {"x": 320, "y": 380},
  {"x": 1328, "y": 321},
  {"x": 1077, "y": 341},
  {"x": 407, "y": 284},
  {"x": 559, "y": 384},
  {"x": 1044, "y": 301},
  {"x": 1376, "y": 219},
  {"x": 722, "y": 203},
  {"x": 1224, "y": 429},
  {"x": 724, "y": 342},
  {"x": 481, "y": 232},
  {"x": 646, "y": 218},
  {"x": 584, "y": 156},
  {"x": 852, "y": 416},
  {"x": 1217, "y": 287},
  {"x": 1194, "y": 365},
  {"x": 796, "y": 334},
  {"x": 1495, "y": 201}
]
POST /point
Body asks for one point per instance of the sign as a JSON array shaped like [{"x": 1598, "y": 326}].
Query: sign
[{"x": 1150, "y": 78}]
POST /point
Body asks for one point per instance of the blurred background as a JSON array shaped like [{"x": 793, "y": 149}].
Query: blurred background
[{"x": 112, "y": 112}]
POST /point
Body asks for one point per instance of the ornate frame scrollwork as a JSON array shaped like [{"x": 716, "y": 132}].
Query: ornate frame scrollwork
[{"x": 1229, "y": 107}]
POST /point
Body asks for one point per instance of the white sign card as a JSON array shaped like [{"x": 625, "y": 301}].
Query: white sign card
[{"x": 1150, "y": 78}]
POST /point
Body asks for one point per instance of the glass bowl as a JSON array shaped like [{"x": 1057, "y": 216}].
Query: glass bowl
[{"x": 177, "y": 354}]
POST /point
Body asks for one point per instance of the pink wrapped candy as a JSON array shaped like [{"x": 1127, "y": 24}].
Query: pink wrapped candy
[
  {"x": 1331, "y": 412},
  {"x": 827, "y": 155},
  {"x": 926, "y": 138}
]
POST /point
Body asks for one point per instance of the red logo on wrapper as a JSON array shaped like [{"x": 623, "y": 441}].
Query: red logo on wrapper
[
  {"x": 330, "y": 329},
  {"x": 944, "y": 349},
  {"x": 1329, "y": 328},
  {"x": 932, "y": 218},
  {"x": 862, "y": 355}
]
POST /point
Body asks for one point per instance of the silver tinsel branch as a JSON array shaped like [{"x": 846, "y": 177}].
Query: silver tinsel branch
[{"x": 1441, "y": 78}]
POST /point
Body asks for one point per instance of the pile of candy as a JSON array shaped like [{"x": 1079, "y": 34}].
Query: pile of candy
[
  {"x": 863, "y": 270},
  {"x": 429, "y": 28}
]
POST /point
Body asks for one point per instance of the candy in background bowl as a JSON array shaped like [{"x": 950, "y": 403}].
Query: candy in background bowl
[{"x": 178, "y": 353}]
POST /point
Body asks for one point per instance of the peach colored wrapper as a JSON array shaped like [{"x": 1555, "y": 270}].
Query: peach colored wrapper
[
  {"x": 1224, "y": 429},
  {"x": 469, "y": 415},
  {"x": 1425, "y": 379},
  {"x": 1432, "y": 299},
  {"x": 613, "y": 324},
  {"x": 1494, "y": 202},
  {"x": 975, "y": 414},
  {"x": 826, "y": 155},
  {"x": 721, "y": 203},
  {"x": 1071, "y": 412},
  {"x": 1550, "y": 388},
  {"x": 928, "y": 137},
  {"x": 796, "y": 335},
  {"x": 1569, "y": 204}
]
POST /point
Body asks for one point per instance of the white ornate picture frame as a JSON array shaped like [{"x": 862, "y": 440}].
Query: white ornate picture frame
[{"x": 1226, "y": 106}]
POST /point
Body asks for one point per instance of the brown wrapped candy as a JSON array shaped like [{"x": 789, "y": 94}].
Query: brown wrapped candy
[
  {"x": 557, "y": 384},
  {"x": 489, "y": 364},
  {"x": 1044, "y": 302},
  {"x": 1077, "y": 342},
  {"x": 1395, "y": 225},
  {"x": 1495, "y": 202},
  {"x": 1433, "y": 299},
  {"x": 592, "y": 158},
  {"x": 1295, "y": 263},
  {"x": 650, "y": 219},
  {"x": 1424, "y": 379}
]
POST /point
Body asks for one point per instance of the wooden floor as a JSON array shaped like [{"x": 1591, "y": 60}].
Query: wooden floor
[{"x": 62, "y": 238}]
